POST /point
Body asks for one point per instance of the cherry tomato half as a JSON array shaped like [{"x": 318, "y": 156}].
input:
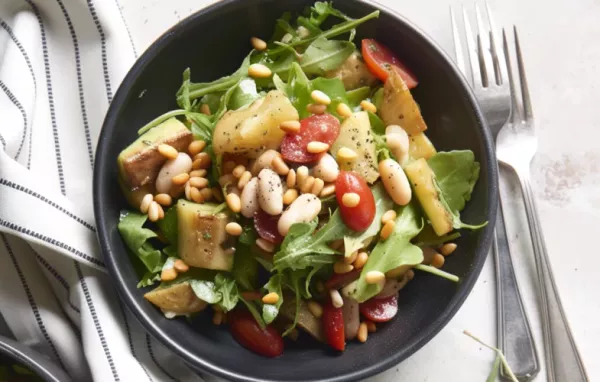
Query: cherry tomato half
[
  {"x": 357, "y": 218},
  {"x": 266, "y": 226},
  {"x": 380, "y": 309},
  {"x": 246, "y": 331},
  {"x": 380, "y": 60},
  {"x": 319, "y": 127},
  {"x": 333, "y": 325}
]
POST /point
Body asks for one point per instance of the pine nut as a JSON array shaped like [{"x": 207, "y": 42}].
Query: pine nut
[
  {"x": 410, "y": 274},
  {"x": 228, "y": 167},
  {"x": 238, "y": 170},
  {"x": 290, "y": 126},
  {"x": 270, "y": 298},
  {"x": 368, "y": 106},
  {"x": 371, "y": 327},
  {"x": 438, "y": 261},
  {"x": 180, "y": 179},
  {"x": 363, "y": 332},
  {"x": 350, "y": 199},
  {"x": 146, "y": 201},
  {"x": 196, "y": 195},
  {"x": 206, "y": 194},
  {"x": 387, "y": 229},
  {"x": 290, "y": 181},
  {"x": 234, "y": 203},
  {"x": 265, "y": 245},
  {"x": 317, "y": 187},
  {"x": 340, "y": 267},
  {"x": 168, "y": 274},
  {"x": 328, "y": 190},
  {"x": 345, "y": 154},
  {"x": 198, "y": 182},
  {"x": 180, "y": 266},
  {"x": 320, "y": 98},
  {"x": 315, "y": 308},
  {"x": 316, "y": 109},
  {"x": 167, "y": 151},
  {"x": 336, "y": 298},
  {"x": 307, "y": 185},
  {"x": 205, "y": 109},
  {"x": 387, "y": 216},
  {"x": 448, "y": 248},
  {"x": 153, "y": 212},
  {"x": 344, "y": 110},
  {"x": 259, "y": 71},
  {"x": 188, "y": 188},
  {"x": 163, "y": 199},
  {"x": 217, "y": 318},
  {"x": 258, "y": 44},
  {"x": 196, "y": 147},
  {"x": 201, "y": 161},
  {"x": 244, "y": 179},
  {"x": 198, "y": 174},
  {"x": 374, "y": 277},
  {"x": 233, "y": 229},
  {"x": 289, "y": 196},
  {"x": 161, "y": 212},
  {"x": 279, "y": 166},
  {"x": 317, "y": 147},
  {"x": 352, "y": 258},
  {"x": 217, "y": 194},
  {"x": 361, "y": 260},
  {"x": 301, "y": 175}
]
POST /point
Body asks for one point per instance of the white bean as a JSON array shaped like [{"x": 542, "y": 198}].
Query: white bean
[
  {"x": 351, "y": 316},
  {"x": 304, "y": 209},
  {"x": 270, "y": 192},
  {"x": 250, "y": 198},
  {"x": 398, "y": 142},
  {"x": 263, "y": 161},
  {"x": 336, "y": 298},
  {"x": 327, "y": 168},
  {"x": 395, "y": 181},
  {"x": 172, "y": 167}
]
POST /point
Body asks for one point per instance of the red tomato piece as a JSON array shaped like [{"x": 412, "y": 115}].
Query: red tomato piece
[
  {"x": 333, "y": 325},
  {"x": 266, "y": 226},
  {"x": 380, "y": 60},
  {"x": 340, "y": 280},
  {"x": 380, "y": 309},
  {"x": 319, "y": 127},
  {"x": 357, "y": 218},
  {"x": 246, "y": 331}
]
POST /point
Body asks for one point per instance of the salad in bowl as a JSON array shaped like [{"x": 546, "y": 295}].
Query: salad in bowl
[{"x": 298, "y": 194}]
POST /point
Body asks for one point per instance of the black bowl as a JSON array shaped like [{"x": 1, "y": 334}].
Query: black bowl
[
  {"x": 15, "y": 353},
  {"x": 213, "y": 43}
]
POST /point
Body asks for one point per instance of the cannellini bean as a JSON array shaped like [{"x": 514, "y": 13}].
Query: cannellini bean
[
  {"x": 302, "y": 210},
  {"x": 327, "y": 168},
  {"x": 181, "y": 164},
  {"x": 250, "y": 198},
  {"x": 263, "y": 161},
  {"x": 336, "y": 298},
  {"x": 398, "y": 142},
  {"x": 351, "y": 316},
  {"x": 395, "y": 181},
  {"x": 270, "y": 192}
]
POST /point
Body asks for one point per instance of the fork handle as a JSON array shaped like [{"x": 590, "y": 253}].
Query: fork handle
[
  {"x": 563, "y": 362},
  {"x": 514, "y": 333}
]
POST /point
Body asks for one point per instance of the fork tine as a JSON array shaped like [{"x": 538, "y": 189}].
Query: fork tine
[
  {"x": 472, "y": 49},
  {"x": 485, "y": 57},
  {"x": 524, "y": 87},
  {"x": 460, "y": 58},
  {"x": 497, "y": 52},
  {"x": 515, "y": 115}
]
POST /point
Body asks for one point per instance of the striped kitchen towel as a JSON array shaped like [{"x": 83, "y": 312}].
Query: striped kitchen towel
[{"x": 60, "y": 63}]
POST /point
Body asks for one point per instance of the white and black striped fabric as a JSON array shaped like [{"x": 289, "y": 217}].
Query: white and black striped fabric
[{"x": 60, "y": 63}]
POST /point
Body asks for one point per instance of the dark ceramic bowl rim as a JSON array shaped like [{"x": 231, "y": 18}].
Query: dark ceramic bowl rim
[
  {"x": 133, "y": 303},
  {"x": 33, "y": 360}
]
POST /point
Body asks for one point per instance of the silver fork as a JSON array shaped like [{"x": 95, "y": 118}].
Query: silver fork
[
  {"x": 515, "y": 147},
  {"x": 490, "y": 83}
]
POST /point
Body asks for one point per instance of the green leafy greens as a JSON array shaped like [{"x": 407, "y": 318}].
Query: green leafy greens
[{"x": 222, "y": 291}]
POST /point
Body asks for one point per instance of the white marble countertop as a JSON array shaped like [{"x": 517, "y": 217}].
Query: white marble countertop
[{"x": 561, "y": 52}]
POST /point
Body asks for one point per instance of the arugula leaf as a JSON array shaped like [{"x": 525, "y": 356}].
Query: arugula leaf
[
  {"x": 377, "y": 98},
  {"x": 353, "y": 241},
  {"x": 137, "y": 240},
  {"x": 323, "y": 55},
  {"x": 223, "y": 291},
  {"x": 428, "y": 238},
  {"x": 168, "y": 225},
  {"x": 148, "y": 279},
  {"x": 245, "y": 267},
  {"x": 160, "y": 119},
  {"x": 244, "y": 94},
  {"x": 270, "y": 311},
  {"x": 201, "y": 126},
  {"x": 212, "y": 100},
  {"x": 356, "y": 96},
  {"x": 321, "y": 10},
  {"x": 437, "y": 272},
  {"x": 206, "y": 291},
  {"x": 393, "y": 252},
  {"x": 281, "y": 86},
  {"x": 334, "y": 88},
  {"x": 254, "y": 311},
  {"x": 225, "y": 99},
  {"x": 249, "y": 235}
]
